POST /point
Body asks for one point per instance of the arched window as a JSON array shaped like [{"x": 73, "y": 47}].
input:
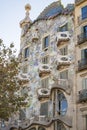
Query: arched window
[
  {"x": 60, "y": 126},
  {"x": 62, "y": 103},
  {"x": 41, "y": 128},
  {"x": 33, "y": 128}
]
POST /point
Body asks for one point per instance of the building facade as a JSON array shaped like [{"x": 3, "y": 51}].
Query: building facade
[
  {"x": 81, "y": 63},
  {"x": 47, "y": 53}
]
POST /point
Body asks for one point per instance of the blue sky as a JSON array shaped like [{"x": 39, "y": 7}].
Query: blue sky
[{"x": 12, "y": 12}]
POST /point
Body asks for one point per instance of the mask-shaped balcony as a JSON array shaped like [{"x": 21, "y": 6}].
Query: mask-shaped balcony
[
  {"x": 83, "y": 95},
  {"x": 82, "y": 38},
  {"x": 77, "y": 2},
  {"x": 44, "y": 69},
  {"x": 62, "y": 84},
  {"x": 62, "y": 37},
  {"x": 82, "y": 64},
  {"x": 43, "y": 93},
  {"x": 63, "y": 60},
  {"x": 35, "y": 36}
]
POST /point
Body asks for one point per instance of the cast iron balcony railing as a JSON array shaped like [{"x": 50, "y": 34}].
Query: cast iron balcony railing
[
  {"x": 82, "y": 64},
  {"x": 77, "y": 2},
  {"x": 83, "y": 95},
  {"x": 82, "y": 38}
]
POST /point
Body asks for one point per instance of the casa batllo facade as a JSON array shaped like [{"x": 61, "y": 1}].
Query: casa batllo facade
[{"x": 47, "y": 53}]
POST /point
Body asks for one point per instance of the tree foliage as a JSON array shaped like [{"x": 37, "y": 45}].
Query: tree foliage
[{"x": 11, "y": 83}]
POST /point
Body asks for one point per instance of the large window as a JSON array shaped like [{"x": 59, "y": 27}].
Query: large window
[
  {"x": 84, "y": 12},
  {"x": 26, "y": 52},
  {"x": 86, "y": 121},
  {"x": 64, "y": 50},
  {"x": 60, "y": 126},
  {"x": 45, "y": 82},
  {"x": 84, "y": 83},
  {"x": 33, "y": 128},
  {"x": 25, "y": 69},
  {"x": 41, "y": 128},
  {"x": 45, "y": 60},
  {"x": 44, "y": 109},
  {"x": 64, "y": 74},
  {"x": 84, "y": 54},
  {"x": 62, "y": 103},
  {"x": 63, "y": 28},
  {"x": 45, "y": 42}
]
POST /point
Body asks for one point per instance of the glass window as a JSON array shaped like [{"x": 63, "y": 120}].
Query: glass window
[
  {"x": 60, "y": 126},
  {"x": 84, "y": 54},
  {"x": 45, "y": 82},
  {"x": 25, "y": 69},
  {"x": 84, "y": 83},
  {"x": 26, "y": 53},
  {"x": 64, "y": 74},
  {"x": 62, "y": 103},
  {"x": 33, "y": 128},
  {"x": 45, "y": 60},
  {"x": 44, "y": 109},
  {"x": 41, "y": 128},
  {"x": 46, "y": 42},
  {"x": 63, "y": 28},
  {"x": 64, "y": 50},
  {"x": 84, "y": 12},
  {"x": 86, "y": 121}
]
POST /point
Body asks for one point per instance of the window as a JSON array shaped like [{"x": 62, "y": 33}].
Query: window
[
  {"x": 64, "y": 74},
  {"x": 45, "y": 82},
  {"x": 45, "y": 60},
  {"x": 46, "y": 42},
  {"x": 24, "y": 91},
  {"x": 33, "y": 128},
  {"x": 41, "y": 128},
  {"x": 84, "y": 83},
  {"x": 63, "y": 28},
  {"x": 64, "y": 50},
  {"x": 22, "y": 114},
  {"x": 25, "y": 69},
  {"x": 84, "y": 12},
  {"x": 44, "y": 109},
  {"x": 26, "y": 53},
  {"x": 84, "y": 54},
  {"x": 62, "y": 104},
  {"x": 86, "y": 121},
  {"x": 60, "y": 126}
]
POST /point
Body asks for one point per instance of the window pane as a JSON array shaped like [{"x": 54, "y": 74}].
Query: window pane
[
  {"x": 26, "y": 52},
  {"x": 64, "y": 75},
  {"x": 44, "y": 109},
  {"x": 46, "y": 42},
  {"x": 84, "y": 12}
]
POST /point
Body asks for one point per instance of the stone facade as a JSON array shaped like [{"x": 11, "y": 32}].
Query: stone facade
[
  {"x": 47, "y": 52},
  {"x": 81, "y": 63}
]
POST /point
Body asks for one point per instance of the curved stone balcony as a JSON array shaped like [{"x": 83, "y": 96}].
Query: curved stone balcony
[
  {"x": 63, "y": 60},
  {"x": 35, "y": 36},
  {"x": 62, "y": 84},
  {"x": 46, "y": 121},
  {"x": 44, "y": 69},
  {"x": 43, "y": 93},
  {"x": 62, "y": 37}
]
